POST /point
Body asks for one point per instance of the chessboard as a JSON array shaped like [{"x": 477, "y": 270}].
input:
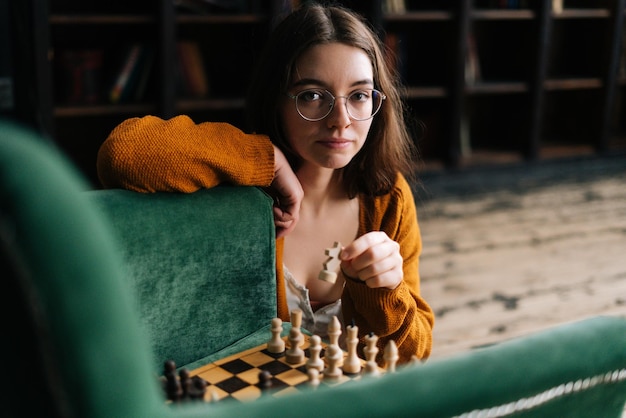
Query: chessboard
[
  {"x": 280, "y": 366},
  {"x": 239, "y": 376}
]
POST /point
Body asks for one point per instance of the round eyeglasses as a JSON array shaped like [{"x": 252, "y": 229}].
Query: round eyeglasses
[{"x": 315, "y": 104}]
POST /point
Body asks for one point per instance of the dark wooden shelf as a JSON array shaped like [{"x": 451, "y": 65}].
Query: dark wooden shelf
[
  {"x": 546, "y": 83},
  {"x": 419, "y": 16},
  {"x": 582, "y": 14},
  {"x": 572, "y": 84},
  {"x": 221, "y": 19},
  {"x": 484, "y": 14},
  {"x": 424, "y": 92},
  {"x": 104, "y": 109},
  {"x": 87, "y": 19},
  {"x": 501, "y": 87}
]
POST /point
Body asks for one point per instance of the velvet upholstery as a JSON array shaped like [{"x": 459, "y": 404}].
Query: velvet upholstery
[
  {"x": 202, "y": 265},
  {"x": 76, "y": 343},
  {"x": 72, "y": 332}
]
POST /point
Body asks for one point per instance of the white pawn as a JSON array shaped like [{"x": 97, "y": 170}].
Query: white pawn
[
  {"x": 315, "y": 348},
  {"x": 391, "y": 356},
  {"x": 334, "y": 331},
  {"x": 276, "y": 344},
  {"x": 295, "y": 354},
  {"x": 371, "y": 367},
  {"x": 314, "y": 378},
  {"x": 333, "y": 370},
  {"x": 352, "y": 363}
]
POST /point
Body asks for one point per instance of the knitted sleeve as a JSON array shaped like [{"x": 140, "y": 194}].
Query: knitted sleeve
[
  {"x": 150, "y": 154},
  {"x": 401, "y": 315}
]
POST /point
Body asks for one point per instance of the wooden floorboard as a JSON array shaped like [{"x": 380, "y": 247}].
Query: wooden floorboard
[{"x": 513, "y": 250}]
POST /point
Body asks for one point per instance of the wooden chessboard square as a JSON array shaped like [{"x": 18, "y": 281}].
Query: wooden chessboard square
[
  {"x": 260, "y": 357},
  {"x": 276, "y": 367},
  {"x": 236, "y": 366},
  {"x": 232, "y": 385},
  {"x": 214, "y": 375},
  {"x": 248, "y": 393},
  {"x": 293, "y": 377},
  {"x": 251, "y": 376}
]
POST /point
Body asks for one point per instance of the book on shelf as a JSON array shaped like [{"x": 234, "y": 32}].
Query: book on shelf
[
  {"x": 394, "y": 6},
  {"x": 146, "y": 64},
  {"x": 395, "y": 54},
  {"x": 622, "y": 60},
  {"x": 128, "y": 74},
  {"x": 472, "y": 62},
  {"x": 79, "y": 73},
  {"x": 192, "y": 71},
  {"x": 7, "y": 101}
]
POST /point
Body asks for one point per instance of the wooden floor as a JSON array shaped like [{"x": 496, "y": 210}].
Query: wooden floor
[{"x": 508, "y": 251}]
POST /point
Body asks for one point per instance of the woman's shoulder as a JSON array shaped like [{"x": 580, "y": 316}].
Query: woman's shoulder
[
  {"x": 398, "y": 196},
  {"x": 401, "y": 190}
]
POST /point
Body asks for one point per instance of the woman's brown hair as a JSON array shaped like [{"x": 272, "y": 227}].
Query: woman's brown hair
[{"x": 388, "y": 149}]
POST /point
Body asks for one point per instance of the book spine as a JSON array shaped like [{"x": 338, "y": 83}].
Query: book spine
[{"x": 123, "y": 78}]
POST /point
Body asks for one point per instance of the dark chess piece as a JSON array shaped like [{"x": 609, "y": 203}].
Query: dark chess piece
[
  {"x": 173, "y": 389},
  {"x": 265, "y": 380},
  {"x": 197, "y": 388},
  {"x": 185, "y": 382}
]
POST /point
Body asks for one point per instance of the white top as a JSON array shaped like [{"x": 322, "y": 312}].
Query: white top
[{"x": 298, "y": 298}]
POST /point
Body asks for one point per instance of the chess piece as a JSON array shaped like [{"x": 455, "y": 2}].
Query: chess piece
[
  {"x": 276, "y": 344},
  {"x": 173, "y": 389},
  {"x": 352, "y": 363},
  {"x": 333, "y": 357},
  {"x": 334, "y": 331},
  {"x": 390, "y": 356},
  {"x": 315, "y": 348},
  {"x": 330, "y": 266},
  {"x": 295, "y": 354},
  {"x": 198, "y": 388},
  {"x": 314, "y": 377},
  {"x": 185, "y": 382},
  {"x": 371, "y": 350},
  {"x": 265, "y": 380}
]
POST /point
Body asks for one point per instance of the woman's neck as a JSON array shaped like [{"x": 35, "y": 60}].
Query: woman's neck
[{"x": 321, "y": 184}]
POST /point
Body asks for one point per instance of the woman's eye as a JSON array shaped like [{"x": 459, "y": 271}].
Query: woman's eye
[
  {"x": 311, "y": 96},
  {"x": 360, "y": 96}
]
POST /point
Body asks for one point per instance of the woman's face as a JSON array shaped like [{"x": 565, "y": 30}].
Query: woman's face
[{"x": 342, "y": 70}]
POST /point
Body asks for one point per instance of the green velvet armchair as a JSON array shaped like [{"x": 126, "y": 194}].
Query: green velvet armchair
[{"x": 102, "y": 286}]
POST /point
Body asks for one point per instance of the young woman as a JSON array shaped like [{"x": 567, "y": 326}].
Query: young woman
[{"x": 333, "y": 150}]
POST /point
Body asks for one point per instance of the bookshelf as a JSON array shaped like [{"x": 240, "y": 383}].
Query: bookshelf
[
  {"x": 485, "y": 81},
  {"x": 526, "y": 79}
]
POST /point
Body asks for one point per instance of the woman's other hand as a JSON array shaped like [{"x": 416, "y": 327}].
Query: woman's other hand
[{"x": 287, "y": 193}]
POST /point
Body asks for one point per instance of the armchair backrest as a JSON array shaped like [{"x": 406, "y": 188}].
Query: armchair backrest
[
  {"x": 201, "y": 265},
  {"x": 75, "y": 347}
]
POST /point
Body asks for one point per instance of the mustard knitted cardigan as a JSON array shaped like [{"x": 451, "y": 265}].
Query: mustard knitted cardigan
[{"x": 150, "y": 154}]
